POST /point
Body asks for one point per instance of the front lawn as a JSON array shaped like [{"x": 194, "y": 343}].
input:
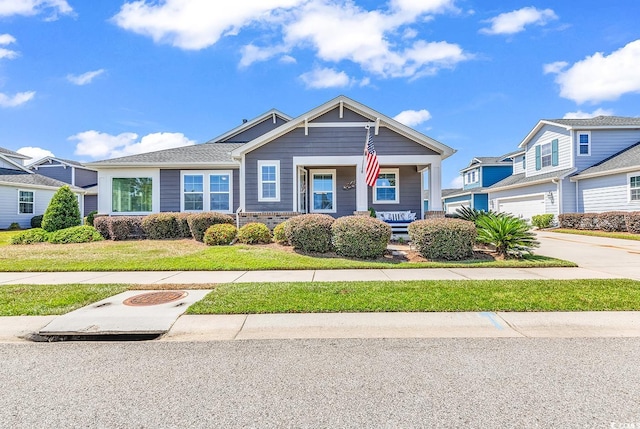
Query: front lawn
[
  {"x": 190, "y": 255},
  {"x": 620, "y": 235}
]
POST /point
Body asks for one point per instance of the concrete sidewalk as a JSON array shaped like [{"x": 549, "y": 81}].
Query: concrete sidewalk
[{"x": 374, "y": 325}]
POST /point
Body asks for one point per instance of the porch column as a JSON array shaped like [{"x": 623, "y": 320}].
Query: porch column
[
  {"x": 362, "y": 203},
  {"x": 435, "y": 187}
]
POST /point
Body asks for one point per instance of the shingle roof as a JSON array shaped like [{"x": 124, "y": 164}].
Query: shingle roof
[
  {"x": 459, "y": 192},
  {"x": 598, "y": 121},
  {"x": 520, "y": 179},
  {"x": 627, "y": 158},
  {"x": 511, "y": 155},
  {"x": 5, "y": 151},
  {"x": 200, "y": 153},
  {"x": 447, "y": 192},
  {"x": 24, "y": 178}
]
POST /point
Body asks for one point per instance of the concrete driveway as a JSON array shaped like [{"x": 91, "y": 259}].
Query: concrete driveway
[{"x": 607, "y": 255}]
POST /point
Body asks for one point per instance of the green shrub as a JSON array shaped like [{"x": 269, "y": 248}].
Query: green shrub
[
  {"x": 15, "y": 226},
  {"x": 279, "y": 235},
  {"x": 254, "y": 233},
  {"x": 62, "y": 212},
  {"x": 632, "y": 222},
  {"x": 220, "y": 234},
  {"x": 101, "y": 223},
  {"x": 30, "y": 236},
  {"x": 161, "y": 226},
  {"x": 183, "y": 225},
  {"x": 90, "y": 217},
  {"x": 542, "y": 221},
  {"x": 36, "y": 221},
  {"x": 75, "y": 234},
  {"x": 310, "y": 232},
  {"x": 360, "y": 237},
  {"x": 511, "y": 236},
  {"x": 120, "y": 227},
  {"x": 467, "y": 213},
  {"x": 200, "y": 222},
  {"x": 444, "y": 238}
]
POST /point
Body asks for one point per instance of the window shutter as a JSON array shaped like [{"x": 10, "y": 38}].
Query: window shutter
[
  {"x": 538, "y": 160},
  {"x": 554, "y": 152}
]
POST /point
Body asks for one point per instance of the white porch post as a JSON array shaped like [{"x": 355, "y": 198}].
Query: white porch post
[
  {"x": 435, "y": 187},
  {"x": 361, "y": 189}
]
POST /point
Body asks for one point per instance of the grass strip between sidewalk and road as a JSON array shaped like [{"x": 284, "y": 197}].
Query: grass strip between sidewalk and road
[{"x": 605, "y": 234}]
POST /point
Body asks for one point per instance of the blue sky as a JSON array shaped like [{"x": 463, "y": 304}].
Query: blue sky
[{"x": 90, "y": 80}]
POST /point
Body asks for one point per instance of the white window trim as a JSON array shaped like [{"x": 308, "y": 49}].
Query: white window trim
[
  {"x": 550, "y": 144},
  {"x": 335, "y": 195},
  {"x": 133, "y": 176},
  {"x": 395, "y": 171},
  {"x": 32, "y": 203},
  {"x": 274, "y": 163},
  {"x": 629, "y": 176},
  {"x": 206, "y": 180},
  {"x": 588, "y": 133}
]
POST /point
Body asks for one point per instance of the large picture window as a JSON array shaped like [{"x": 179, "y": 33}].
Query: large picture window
[
  {"x": 387, "y": 188},
  {"x": 207, "y": 190},
  {"x": 25, "y": 202},
  {"x": 131, "y": 194},
  {"x": 268, "y": 181},
  {"x": 323, "y": 191}
]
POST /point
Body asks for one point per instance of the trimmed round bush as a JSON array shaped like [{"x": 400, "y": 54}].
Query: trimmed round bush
[
  {"x": 279, "y": 235},
  {"x": 75, "y": 234},
  {"x": 30, "y": 236},
  {"x": 361, "y": 237},
  {"x": 36, "y": 221},
  {"x": 101, "y": 223},
  {"x": 15, "y": 226},
  {"x": 200, "y": 222},
  {"x": 221, "y": 234},
  {"x": 310, "y": 232},
  {"x": 62, "y": 212},
  {"x": 183, "y": 225},
  {"x": 161, "y": 226},
  {"x": 254, "y": 233},
  {"x": 448, "y": 239}
]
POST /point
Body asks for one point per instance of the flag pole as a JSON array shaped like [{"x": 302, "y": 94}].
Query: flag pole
[{"x": 364, "y": 152}]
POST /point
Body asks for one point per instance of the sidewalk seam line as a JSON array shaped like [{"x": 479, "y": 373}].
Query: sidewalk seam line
[
  {"x": 510, "y": 325},
  {"x": 246, "y": 316}
]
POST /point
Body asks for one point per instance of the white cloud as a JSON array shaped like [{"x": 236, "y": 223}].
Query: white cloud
[
  {"x": 600, "y": 77},
  {"x": 16, "y": 100},
  {"x": 7, "y": 39},
  {"x": 554, "y": 68},
  {"x": 456, "y": 183},
  {"x": 36, "y": 153},
  {"x": 515, "y": 21},
  {"x": 102, "y": 145},
  {"x": 413, "y": 118},
  {"x": 84, "y": 78},
  {"x": 325, "y": 78},
  {"x": 586, "y": 115},
  {"x": 35, "y": 7}
]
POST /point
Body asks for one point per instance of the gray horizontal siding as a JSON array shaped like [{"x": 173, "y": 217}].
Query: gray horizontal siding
[
  {"x": 90, "y": 204},
  {"x": 410, "y": 193},
  {"x": 568, "y": 197},
  {"x": 58, "y": 172},
  {"x": 546, "y": 134},
  {"x": 602, "y": 194},
  {"x": 170, "y": 190},
  {"x": 605, "y": 143},
  {"x": 255, "y": 131},
  {"x": 86, "y": 177}
]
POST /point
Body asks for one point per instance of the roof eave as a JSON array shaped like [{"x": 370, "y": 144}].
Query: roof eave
[
  {"x": 191, "y": 165},
  {"x": 629, "y": 169},
  {"x": 45, "y": 187},
  {"x": 538, "y": 127}
]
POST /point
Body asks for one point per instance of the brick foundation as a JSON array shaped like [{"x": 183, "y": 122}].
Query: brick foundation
[{"x": 271, "y": 219}]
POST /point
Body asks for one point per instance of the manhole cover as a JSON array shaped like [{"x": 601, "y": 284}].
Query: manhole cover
[{"x": 154, "y": 298}]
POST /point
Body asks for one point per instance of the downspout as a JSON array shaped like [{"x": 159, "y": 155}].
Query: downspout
[{"x": 559, "y": 189}]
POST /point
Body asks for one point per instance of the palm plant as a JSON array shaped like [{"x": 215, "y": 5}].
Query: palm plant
[{"x": 511, "y": 236}]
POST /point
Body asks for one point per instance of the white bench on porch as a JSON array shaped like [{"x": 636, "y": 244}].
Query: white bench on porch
[{"x": 398, "y": 220}]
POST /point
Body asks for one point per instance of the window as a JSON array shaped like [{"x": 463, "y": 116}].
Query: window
[
  {"x": 207, "y": 190},
  {"x": 268, "y": 181},
  {"x": 219, "y": 192},
  {"x": 545, "y": 155},
  {"x": 323, "y": 191},
  {"x": 386, "y": 189},
  {"x": 634, "y": 187},
  {"x": 25, "y": 202},
  {"x": 584, "y": 144},
  {"x": 131, "y": 194},
  {"x": 524, "y": 162},
  {"x": 193, "y": 189},
  {"x": 471, "y": 177}
]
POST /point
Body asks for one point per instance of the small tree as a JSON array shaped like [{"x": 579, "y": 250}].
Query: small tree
[{"x": 62, "y": 212}]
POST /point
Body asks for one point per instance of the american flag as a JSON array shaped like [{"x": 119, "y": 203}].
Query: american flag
[{"x": 373, "y": 167}]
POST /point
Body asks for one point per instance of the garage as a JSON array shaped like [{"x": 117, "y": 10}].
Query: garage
[
  {"x": 523, "y": 207},
  {"x": 452, "y": 207}
]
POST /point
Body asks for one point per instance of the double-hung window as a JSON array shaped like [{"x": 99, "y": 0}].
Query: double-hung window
[
  {"x": 545, "y": 155},
  {"x": 634, "y": 187},
  {"x": 25, "y": 202},
  {"x": 387, "y": 187},
  {"x": 193, "y": 189},
  {"x": 220, "y": 192},
  {"x": 584, "y": 144},
  {"x": 269, "y": 181},
  {"x": 207, "y": 190}
]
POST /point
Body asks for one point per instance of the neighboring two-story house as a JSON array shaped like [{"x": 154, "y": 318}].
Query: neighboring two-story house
[
  {"x": 276, "y": 166},
  {"x": 23, "y": 193},
  {"x": 481, "y": 173},
  {"x": 573, "y": 165},
  {"x": 73, "y": 173}
]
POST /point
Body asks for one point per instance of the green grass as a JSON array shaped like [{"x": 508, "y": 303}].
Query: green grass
[
  {"x": 428, "y": 295},
  {"x": 621, "y": 235},
  {"x": 5, "y": 237},
  {"x": 45, "y": 300},
  {"x": 189, "y": 255}
]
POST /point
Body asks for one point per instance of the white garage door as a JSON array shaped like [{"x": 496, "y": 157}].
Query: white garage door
[
  {"x": 452, "y": 207},
  {"x": 523, "y": 207}
]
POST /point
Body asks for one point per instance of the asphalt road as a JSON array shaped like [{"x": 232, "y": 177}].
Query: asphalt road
[{"x": 480, "y": 383}]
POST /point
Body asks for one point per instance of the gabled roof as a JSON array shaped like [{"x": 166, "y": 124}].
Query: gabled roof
[
  {"x": 485, "y": 161},
  {"x": 520, "y": 180},
  {"x": 511, "y": 155},
  {"x": 204, "y": 154},
  {"x": 273, "y": 113},
  {"x": 19, "y": 167},
  {"x": 28, "y": 178},
  {"x": 444, "y": 150},
  {"x": 63, "y": 161},
  {"x": 624, "y": 161},
  {"x": 448, "y": 192},
  {"x": 599, "y": 122},
  {"x": 13, "y": 154}
]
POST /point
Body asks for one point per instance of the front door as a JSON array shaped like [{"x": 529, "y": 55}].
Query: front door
[{"x": 303, "y": 196}]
